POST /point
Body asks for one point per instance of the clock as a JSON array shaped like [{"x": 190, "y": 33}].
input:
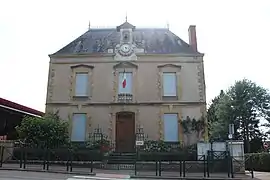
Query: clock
[{"x": 125, "y": 50}]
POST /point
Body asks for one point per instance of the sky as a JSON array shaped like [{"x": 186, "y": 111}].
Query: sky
[{"x": 234, "y": 35}]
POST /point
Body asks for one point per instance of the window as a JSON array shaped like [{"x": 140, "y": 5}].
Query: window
[
  {"x": 169, "y": 84},
  {"x": 78, "y": 133},
  {"x": 81, "y": 86},
  {"x": 125, "y": 83},
  {"x": 170, "y": 127}
]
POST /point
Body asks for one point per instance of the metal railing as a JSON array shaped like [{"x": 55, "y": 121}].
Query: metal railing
[
  {"x": 87, "y": 161},
  {"x": 125, "y": 97}
]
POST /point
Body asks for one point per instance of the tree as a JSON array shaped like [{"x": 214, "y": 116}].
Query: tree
[
  {"x": 244, "y": 104},
  {"x": 45, "y": 132},
  {"x": 225, "y": 116},
  {"x": 211, "y": 114}
]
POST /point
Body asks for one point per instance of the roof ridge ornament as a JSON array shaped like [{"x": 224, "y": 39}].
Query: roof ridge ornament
[{"x": 168, "y": 25}]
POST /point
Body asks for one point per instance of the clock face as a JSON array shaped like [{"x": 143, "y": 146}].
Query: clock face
[{"x": 125, "y": 50}]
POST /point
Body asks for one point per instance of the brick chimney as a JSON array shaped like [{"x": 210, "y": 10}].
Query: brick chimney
[{"x": 192, "y": 37}]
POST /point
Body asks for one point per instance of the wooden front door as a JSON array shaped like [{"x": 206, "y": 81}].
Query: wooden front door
[{"x": 125, "y": 132}]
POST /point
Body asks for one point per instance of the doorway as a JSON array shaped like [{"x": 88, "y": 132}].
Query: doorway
[{"x": 125, "y": 132}]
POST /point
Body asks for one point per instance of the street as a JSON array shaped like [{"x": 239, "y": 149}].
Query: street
[
  {"x": 24, "y": 175},
  {"x": 21, "y": 175}
]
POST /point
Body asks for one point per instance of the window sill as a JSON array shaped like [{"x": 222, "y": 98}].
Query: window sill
[
  {"x": 169, "y": 98},
  {"x": 80, "y": 97},
  {"x": 172, "y": 142},
  {"x": 79, "y": 143}
]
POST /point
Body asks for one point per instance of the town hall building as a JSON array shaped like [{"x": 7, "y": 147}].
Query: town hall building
[{"x": 124, "y": 78}]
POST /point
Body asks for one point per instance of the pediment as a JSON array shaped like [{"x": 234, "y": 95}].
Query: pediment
[
  {"x": 125, "y": 65},
  {"x": 169, "y": 65},
  {"x": 82, "y": 65}
]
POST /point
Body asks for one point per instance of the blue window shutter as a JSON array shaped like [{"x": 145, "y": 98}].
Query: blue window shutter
[
  {"x": 81, "y": 84},
  {"x": 78, "y": 133},
  {"x": 170, "y": 127},
  {"x": 128, "y": 88},
  {"x": 169, "y": 84}
]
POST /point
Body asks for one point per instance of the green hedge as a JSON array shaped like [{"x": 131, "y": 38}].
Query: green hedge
[
  {"x": 258, "y": 161},
  {"x": 82, "y": 154},
  {"x": 165, "y": 156}
]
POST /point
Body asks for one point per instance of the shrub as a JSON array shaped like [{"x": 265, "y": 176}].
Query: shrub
[
  {"x": 45, "y": 132},
  {"x": 160, "y": 150},
  {"x": 258, "y": 161},
  {"x": 101, "y": 145},
  {"x": 160, "y": 146},
  {"x": 78, "y": 154}
]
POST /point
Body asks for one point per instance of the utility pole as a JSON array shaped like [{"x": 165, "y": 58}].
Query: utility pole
[{"x": 231, "y": 133}]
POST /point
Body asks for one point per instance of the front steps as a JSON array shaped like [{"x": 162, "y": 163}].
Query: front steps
[{"x": 121, "y": 158}]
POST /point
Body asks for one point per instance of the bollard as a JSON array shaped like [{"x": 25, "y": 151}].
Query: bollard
[
  {"x": 25, "y": 158},
  {"x": 156, "y": 168},
  {"x": 67, "y": 165},
  {"x": 91, "y": 165},
  {"x": 252, "y": 174},
  {"x": 71, "y": 159},
  {"x": 229, "y": 164},
  {"x": 2, "y": 155},
  {"x": 135, "y": 166},
  {"x": 180, "y": 168},
  {"x": 48, "y": 160},
  {"x": 1, "y": 158},
  {"x": 135, "y": 162},
  {"x": 21, "y": 159},
  {"x": 184, "y": 168},
  {"x": 207, "y": 166},
  {"x": 159, "y": 169},
  {"x": 252, "y": 169},
  {"x": 204, "y": 168},
  {"x": 44, "y": 159}
]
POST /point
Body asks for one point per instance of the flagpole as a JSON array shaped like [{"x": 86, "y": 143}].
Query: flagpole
[{"x": 125, "y": 96}]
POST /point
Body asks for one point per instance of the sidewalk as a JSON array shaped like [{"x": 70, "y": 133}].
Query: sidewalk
[
  {"x": 262, "y": 175},
  {"x": 141, "y": 174}
]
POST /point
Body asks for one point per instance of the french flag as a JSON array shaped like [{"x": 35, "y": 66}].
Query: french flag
[{"x": 124, "y": 81}]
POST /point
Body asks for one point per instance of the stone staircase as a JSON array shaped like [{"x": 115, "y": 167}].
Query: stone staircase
[
  {"x": 121, "y": 161},
  {"x": 121, "y": 158}
]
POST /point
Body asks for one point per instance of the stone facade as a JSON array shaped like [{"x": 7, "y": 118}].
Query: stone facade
[{"x": 102, "y": 104}]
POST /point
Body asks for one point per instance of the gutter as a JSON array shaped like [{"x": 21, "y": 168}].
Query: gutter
[{"x": 24, "y": 112}]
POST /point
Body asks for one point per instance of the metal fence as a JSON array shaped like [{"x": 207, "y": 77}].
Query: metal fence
[
  {"x": 59, "y": 160},
  {"x": 85, "y": 161}
]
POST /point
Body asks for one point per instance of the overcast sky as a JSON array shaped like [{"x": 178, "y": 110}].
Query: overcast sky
[{"x": 233, "y": 34}]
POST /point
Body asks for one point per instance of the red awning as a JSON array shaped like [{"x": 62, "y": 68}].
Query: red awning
[{"x": 15, "y": 106}]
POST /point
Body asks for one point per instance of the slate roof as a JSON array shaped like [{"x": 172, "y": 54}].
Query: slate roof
[{"x": 153, "y": 40}]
